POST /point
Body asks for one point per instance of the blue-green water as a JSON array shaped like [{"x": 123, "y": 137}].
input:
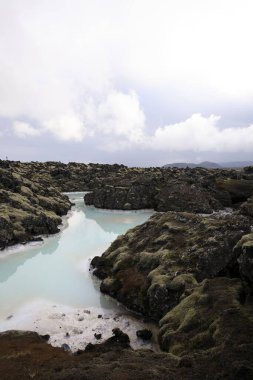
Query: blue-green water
[{"x": 58, "y": 270}]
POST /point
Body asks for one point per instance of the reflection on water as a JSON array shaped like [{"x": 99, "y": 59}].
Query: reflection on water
[
  {"x": 58, "y": 270},
  {"x": 9, "y": 264}
]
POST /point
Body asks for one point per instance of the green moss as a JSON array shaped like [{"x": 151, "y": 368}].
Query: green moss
[
  {"x": 122, "y": 261},
  {"x": 12, "y": 214},
  {"x": 19, "y": 201},
  {"x": 190, "y": 320},
  {"x": 208, "y": 317},
  {"x": 244, "y": 240},
  {"x": 203, "y": 340},
  {"x": 26, "y": 191},
  {"x": 162, "y": 280}
]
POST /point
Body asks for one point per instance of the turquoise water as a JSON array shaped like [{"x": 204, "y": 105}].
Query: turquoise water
[{"x": 58, "y": 270}]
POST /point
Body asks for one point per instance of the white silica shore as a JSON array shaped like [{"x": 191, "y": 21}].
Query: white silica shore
[{"x": 77, "y": 327}]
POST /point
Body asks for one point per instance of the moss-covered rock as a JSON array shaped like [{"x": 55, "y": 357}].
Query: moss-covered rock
[
  {"x": 27, "y": 208},
  {"x": 154, "y": 266},
  {"x": 244, "y": 252},
  {"x": 247, "y": 207},
  {"x": 215, "y": 315}
]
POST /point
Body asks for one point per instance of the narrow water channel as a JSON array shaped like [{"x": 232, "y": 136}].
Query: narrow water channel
[{"x": 56, "y": 272}]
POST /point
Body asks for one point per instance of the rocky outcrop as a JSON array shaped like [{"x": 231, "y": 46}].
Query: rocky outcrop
[
  {"x": 120, "y": 187},
  {"x": 153, "y": 266},
  {"x": 193, "y": 190},
  {"x": 238, "y": 189},
  {"x": 28, "y": 208},
  {"x": 134, "y": 197},
  {"x": 194, "y": 274},
  {"x": 244, "y": 252},
  {"x": 215, "y": 315},
  {"x": 247, "y": 207}
]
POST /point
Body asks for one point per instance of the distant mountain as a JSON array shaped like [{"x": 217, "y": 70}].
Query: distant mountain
[
  {"x": 183, "y": 165},
  {"x": 209, "y": 165},
  {"x": 236, "y": 164}
]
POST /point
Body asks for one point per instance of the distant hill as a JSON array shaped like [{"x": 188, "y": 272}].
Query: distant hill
[
  {"x": 236, "y": 164},
  {"x": 209, "y": 165}
]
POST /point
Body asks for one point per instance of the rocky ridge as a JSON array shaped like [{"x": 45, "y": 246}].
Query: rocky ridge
[{"x": 119, "y": 187}]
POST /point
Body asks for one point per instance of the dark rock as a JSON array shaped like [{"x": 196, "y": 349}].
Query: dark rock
[
  {"x": 144, "y": 334},
  {"x": 98, "y": 336},
  {"x": 119, "y": 337},
  {"x": 46, "y": 337},
  {"x": 90, "y": 347},
  {"x": 239, "y": 189},
  {"x": 244, "y": 373},
  {"x": 37, "y": 238},
  {"x": 65, "y": 346},
  {"x": 244, "y": 252},
  {"x": 247, "y": 207}
]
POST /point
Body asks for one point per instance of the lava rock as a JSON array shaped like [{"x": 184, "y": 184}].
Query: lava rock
[{"x": 144, "y": 334}]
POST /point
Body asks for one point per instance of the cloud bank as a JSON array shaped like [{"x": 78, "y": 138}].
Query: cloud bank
[
  {"x": 90, "y": 71},
  {"x": 121, "y": 123},
  {"x": 201, "y": 134}
]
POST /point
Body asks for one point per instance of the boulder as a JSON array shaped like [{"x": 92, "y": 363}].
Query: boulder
[
  {"x": 144, "y": 334},
  {"x": 154, "y": 266},
  {"x": 244, "y": 252}
]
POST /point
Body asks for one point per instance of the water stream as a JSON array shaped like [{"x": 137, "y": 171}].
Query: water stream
[{"x": 54, "y": 275}]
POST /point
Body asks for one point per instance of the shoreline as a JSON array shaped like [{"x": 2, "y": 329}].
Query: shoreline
[
  {"x": 62, "y": 322},
  {"x": 76, "y": 327}
]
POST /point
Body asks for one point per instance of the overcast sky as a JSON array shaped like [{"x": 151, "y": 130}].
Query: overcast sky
[{"x": 139, "y": 82}]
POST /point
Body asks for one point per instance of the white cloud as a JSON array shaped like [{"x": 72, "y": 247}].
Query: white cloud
[
  {"x": 201, "y": 134},
  {"x": 54, "y": 54},
  {"x": 121, "y": 115},
  {"x": 68, "y": 65},
  {"x": 66, "y": 127},
  {"x": 118, "y": 117},
  {"x": 23, "y": 130}
]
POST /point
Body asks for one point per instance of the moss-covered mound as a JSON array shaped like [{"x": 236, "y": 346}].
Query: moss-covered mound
[
  {"x": 153, "y": 266},
  {"x": 28, "y": 208},
  {"x": 217, "y": 314},
  {"x": 194, "y": 273}
]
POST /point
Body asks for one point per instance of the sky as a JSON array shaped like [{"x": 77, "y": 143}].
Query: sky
[{"x": 138, "y": 82}]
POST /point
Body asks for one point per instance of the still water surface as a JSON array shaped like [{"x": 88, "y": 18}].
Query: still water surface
[{"x": 58, "y": 270}]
